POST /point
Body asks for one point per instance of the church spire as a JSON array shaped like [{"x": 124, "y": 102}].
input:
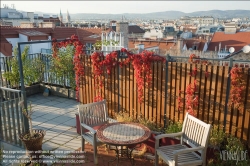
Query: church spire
[
  {"x": 68, "y": 17},
  {"x": 61, "y": 17}
]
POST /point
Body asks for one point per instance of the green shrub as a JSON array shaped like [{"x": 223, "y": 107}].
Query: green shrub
[
  {"x": 217, "y": 136},
  {"x": 33, "y": 69},
  {"x": 174, "y": 127},
  {"x": 63, "y": 68}
]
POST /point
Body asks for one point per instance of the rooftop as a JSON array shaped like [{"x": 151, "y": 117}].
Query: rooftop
[{"x": 56, "y": 115}]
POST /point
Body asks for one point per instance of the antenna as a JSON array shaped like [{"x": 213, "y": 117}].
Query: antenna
[
  {"x": 13, "y": 6},
  {"x": 231, "y": 50}
]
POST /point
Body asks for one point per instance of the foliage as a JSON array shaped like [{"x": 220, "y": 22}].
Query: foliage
[
  {"x": 125, "y": 117},
  {"x": 191, "y": 98},
  {"x": 78, "y": 64},
  {"x": 33, "y": 68},
  {"x": 238, "y": 87},
  {"x": 62, "y": 66},
  {"x": 233, "y": 144},
  {"x": 174, "y": 127},
  {"x": 98, "y": 44},
  {"x": 217, "y": 136},
  {"x": 149, "y": 123},
  {"x": 13, "y": 75},
  {"x": 141, "y": 62},
  {"x": 229, "y": 144}
]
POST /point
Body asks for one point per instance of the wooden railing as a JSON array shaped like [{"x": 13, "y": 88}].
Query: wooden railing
[
  {"x": 161, "y": 98},
  {"x": 11, "y": 116}
]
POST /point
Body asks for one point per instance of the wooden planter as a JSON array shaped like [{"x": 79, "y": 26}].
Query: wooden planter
[
  {"x": 33, "y": 89},
  {"x": 59, "y": 91}
]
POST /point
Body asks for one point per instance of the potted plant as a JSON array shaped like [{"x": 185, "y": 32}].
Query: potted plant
[
  {"x": 34, "y": 138},
  {"x": 33, "y": 69},
  {"x": 62, "y": 74}
]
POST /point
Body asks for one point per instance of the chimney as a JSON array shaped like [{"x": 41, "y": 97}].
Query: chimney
[{"x": 123, "y": 27}]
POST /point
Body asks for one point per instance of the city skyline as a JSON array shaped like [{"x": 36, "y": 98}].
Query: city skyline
[{"x": 120, "y": 7}]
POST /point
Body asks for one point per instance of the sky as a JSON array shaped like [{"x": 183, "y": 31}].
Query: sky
[{"x": 120, "y": 7}]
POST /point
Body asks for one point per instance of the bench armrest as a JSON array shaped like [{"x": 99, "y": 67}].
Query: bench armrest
[
  {"x": 158, "y": 137},
  {"x": 88, "y": 128},
  {"x": 181, "y": 151}
]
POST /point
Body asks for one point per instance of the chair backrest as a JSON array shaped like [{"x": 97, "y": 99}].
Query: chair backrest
[
  {"x": 93, "y": 114},
  {"x": 196, "y": 132}
]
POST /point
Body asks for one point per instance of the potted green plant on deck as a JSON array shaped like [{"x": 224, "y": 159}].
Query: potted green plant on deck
[
  {"x": 62, "y": 72},
  {"x": 33, "y": 69},
  {"x": 34, "y": 138}
]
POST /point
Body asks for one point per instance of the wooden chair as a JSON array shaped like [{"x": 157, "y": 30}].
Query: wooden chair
[
  {"x": 195, "y": 133},
  {"x": 92, "y": 116}
]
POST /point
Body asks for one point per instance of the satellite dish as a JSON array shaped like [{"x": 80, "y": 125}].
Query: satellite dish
[
  {"x": 246, "y": 49},
  {"x": 231, "y": 50}
]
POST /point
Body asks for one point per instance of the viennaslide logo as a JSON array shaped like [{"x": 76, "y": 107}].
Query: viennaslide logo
[{"x": 233, "y": 155}]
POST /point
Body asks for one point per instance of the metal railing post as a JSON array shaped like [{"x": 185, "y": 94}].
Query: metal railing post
[
  {"x": 227, "y": 93},
  {"x": 26, "y": 122},
  {"x": 118, "y": 76},
  {"x": 166, "y": 93}
]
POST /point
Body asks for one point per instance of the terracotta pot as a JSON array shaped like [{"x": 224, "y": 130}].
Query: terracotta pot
[{"x": 33, "y": 146}]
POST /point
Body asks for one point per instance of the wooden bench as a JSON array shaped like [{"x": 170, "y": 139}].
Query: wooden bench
[
  {"x": 195, "y": 133},
  {"x": 92, "y": 116}
]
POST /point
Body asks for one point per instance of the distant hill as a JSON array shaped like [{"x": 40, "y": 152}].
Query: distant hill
[{"x": 159, "y": 15}]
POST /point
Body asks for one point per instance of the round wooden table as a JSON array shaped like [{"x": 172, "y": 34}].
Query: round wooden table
[{"x": 122, "y": 134}]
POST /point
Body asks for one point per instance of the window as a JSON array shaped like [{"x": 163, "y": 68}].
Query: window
[{"x": 89, "y": 47}]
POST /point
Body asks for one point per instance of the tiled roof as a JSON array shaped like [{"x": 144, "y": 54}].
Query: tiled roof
[
  {"x": 32, "y": 33},
  {"x": 198, "y": 42},
  {"x": 5, "y": 47},
  {"x": 135, "y": 29},
  {"x": 237, "y": 40},
  {"x": 63, "y": 32},
  {"x": 163, "y": 45},
  {"x": 132, "y": 29}
]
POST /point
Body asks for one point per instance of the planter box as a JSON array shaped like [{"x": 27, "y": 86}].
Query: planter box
[
  {"x": 33, "y": 89},
  {"x": 59, "y": 91}
]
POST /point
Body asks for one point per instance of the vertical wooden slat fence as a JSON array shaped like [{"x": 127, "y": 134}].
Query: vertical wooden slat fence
[
  {"x": 161, "y": 97},
  {"x": 11, "y": 116}
]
